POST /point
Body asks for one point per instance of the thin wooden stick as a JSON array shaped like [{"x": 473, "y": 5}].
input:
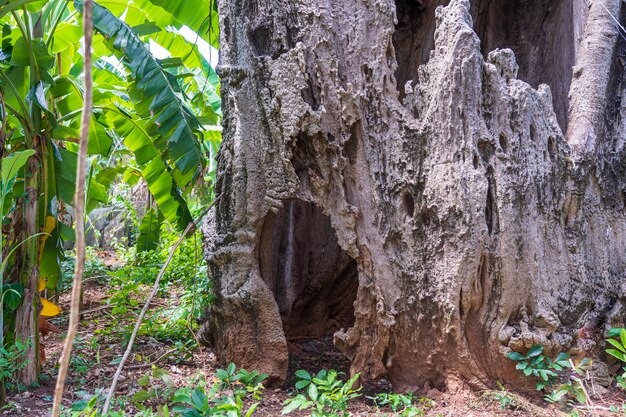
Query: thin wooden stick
[
  {"x": 145, "y": 365},
  {"x": 95, "y": 310},
  {"x": 107, "y": 307},
  {"x": 591, "y": 408},
  {"x": 79, "y": 206},
  {"x": 155, "y": 288}
]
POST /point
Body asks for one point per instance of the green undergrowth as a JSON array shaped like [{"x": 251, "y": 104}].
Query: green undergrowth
[
  {"x": 183, "y": 294},
  {"x": 569, "y": 381},
  {"x": 121, "y": 286},
  {"x": 236, "y": 392},
  {"x": 233, "y": 393}
]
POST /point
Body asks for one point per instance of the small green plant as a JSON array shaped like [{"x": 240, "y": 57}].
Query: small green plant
[
  {"x": 94, "y": 266},
  {"x": 549, "y": 372},
  {"x": 540, "y": 366},
  {"x": 79, "y": 364},
  {"x": 88, "y": 405},
  {"x": 224, "y": 398},
  {"x": 325, "y": 395},
  {"x": 395, "y": 401},
  {"x": 617, "y": 338},
  {"x": 241, "y": 382},
  {"x": 10, "y": 407},
  {"x": 617, "y": 409},
  {"x": 197, "y": 403},
  {"x": 506, "y": 400},
  {"x": 573, "y": 385},
  {"x": 155, "y": 384},
  {"x": 11, "y": 363},
  {"x": 405, "y": 405}
]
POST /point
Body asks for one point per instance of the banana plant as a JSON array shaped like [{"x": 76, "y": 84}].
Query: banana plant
[
  {"x": 10, "y": 167},
  {"x": 150, "y": 116},
  {"x": 9, "y": 170}
]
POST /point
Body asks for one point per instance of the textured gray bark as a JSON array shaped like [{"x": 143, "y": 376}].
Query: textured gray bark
[{"x": 375, "y": 166}]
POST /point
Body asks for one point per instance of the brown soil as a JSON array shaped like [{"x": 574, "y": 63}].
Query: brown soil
[{"x": 101, "y": 340}]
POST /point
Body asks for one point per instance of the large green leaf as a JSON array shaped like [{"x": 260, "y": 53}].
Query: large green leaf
[
  {"x": 149, "y": 231},
  {"x": 156, "y": 92},
  {"x": 66, "y": 34},
  {"x": 204, "y": 91},
  {"x": 97, "y": 194},
  {"x": 12, "y": 164},
  {"x": 65, "y": 166},
  {"x": 50, "y": 259},
  {"x": 107, "y": 175},
  {"x": 66, "y": 232},
  {"x": 154, "y": 170},
  {"x": 138, "y": 12},
  {"x": 36, "y": 6},
  {"x": 21, "y": 54},
  {"x": 178, "y": 47},
  {"x": 69, "y": 94},
  {"x": 199, "y": 15},
  {"x": 37, "y": 97},
  {"x": 7, "y": 6},
  {"x": 99, "y": 140},
  {"x": 65, "y": 180},
  {"x": 13, "y": 294},
  {"x": 69, "y": 106},
  {"x": 15, "y": 87}
]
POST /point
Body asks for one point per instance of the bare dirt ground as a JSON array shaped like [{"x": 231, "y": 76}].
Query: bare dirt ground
[{"x": 102, "y": 339}]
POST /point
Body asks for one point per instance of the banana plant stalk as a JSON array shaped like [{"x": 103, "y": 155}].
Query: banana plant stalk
[{"x": 11, "y": 165}]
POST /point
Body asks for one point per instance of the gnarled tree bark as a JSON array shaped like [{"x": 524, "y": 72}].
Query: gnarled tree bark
[{"x": 395, "y": 174}]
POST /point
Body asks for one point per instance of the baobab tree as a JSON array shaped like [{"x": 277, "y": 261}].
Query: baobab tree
[{"x": 435, "y": 183}]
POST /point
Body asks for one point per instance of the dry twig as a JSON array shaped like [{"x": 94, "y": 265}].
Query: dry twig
[{"x": 154, "y": 362}]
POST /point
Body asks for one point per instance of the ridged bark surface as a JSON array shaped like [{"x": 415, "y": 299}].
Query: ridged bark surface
[{"x": 450, "y": 215}]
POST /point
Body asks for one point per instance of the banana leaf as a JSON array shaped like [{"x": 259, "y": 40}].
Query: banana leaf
[
  {"x": 149, "y": 231},
  {"x": 156, "y": 92}
]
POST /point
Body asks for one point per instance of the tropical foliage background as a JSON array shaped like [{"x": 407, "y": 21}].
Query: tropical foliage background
[{"x": 155, "y": 122}]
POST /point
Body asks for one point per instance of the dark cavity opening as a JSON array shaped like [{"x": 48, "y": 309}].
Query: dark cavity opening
[
  {"x": 313, "y": 280},
  {"x": 541, "y": 33},
  {"x": 409, "y": 204},
  {"x": 414, "y": 36},
  {"x": 491, "y": 206},
  {"x": 551, "y": 147},
  {"x": 314, "y": 283},
  {"x": 504, "y": 143}
]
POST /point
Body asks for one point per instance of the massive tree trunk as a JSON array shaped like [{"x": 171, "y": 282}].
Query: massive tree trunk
[{"x": 393, "y": 174}]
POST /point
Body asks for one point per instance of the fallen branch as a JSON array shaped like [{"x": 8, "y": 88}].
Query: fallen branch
[
  {"x": 109, "y": 306},
  {"x": 96, "y": 277},
  {"x": 145, "y": 365},
  {"x": 79, "y": 206},
  {"x": 592, "y": 408},
  {"x": 94, "y": 310},
  {"x": 155, "y": 288}
]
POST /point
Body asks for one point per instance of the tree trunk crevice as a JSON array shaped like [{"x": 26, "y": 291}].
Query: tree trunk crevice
[{"x": 313, "y": 280}]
